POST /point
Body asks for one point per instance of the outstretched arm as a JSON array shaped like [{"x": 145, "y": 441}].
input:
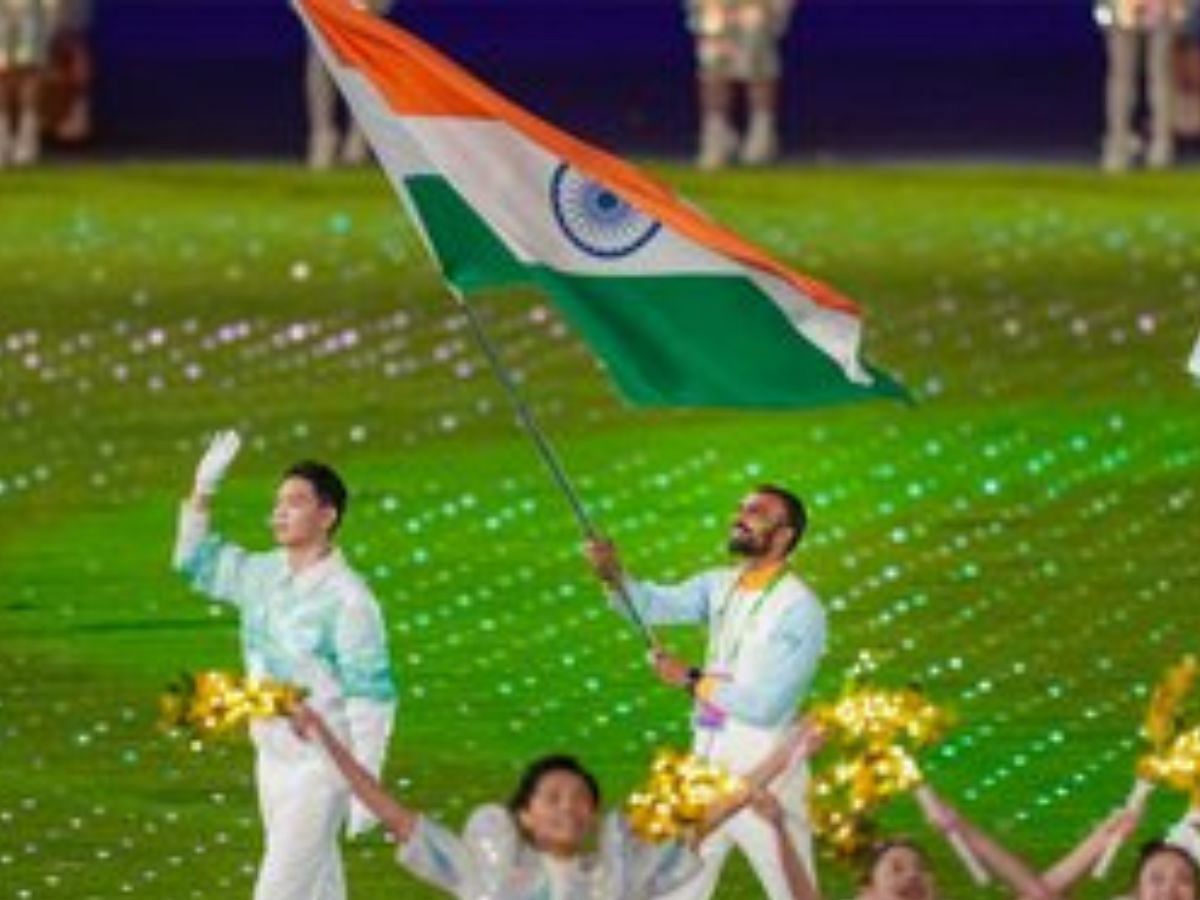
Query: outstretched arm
[
  {"x": 802, "y": 741},
  {"x": 212, "y": 468},
  {"x": 193, "y": 521},
  {"x": 795, "y": 872},
  {"x": 213, "y": 566},
  {"x": 655, "y": 604},
  {"x": 1063, "y": 875},
  {"x": 1025, "y": 882},
  {"x": 397, "y": 819}
]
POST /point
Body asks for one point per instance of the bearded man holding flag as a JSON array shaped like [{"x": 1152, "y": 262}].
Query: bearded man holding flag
[{"x": 766, "y": 634}]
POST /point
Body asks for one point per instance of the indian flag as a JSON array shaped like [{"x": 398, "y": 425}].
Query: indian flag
[{"x": 682, "y": 311}]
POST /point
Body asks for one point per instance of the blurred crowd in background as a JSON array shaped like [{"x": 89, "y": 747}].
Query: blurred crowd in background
[{"x": 1151, "y": 92}]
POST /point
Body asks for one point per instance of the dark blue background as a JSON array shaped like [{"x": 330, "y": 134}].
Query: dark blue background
[{"x": 863, "y": 77}]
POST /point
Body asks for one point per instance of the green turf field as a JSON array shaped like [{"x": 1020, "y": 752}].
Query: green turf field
[{"x": 1023, "y": 542}]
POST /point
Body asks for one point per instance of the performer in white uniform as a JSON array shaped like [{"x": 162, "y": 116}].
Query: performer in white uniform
[
  {"x": 327, "y": 143},
  {"x": 737, "y": 43},
  {"x": 25, "y": 28},
  {"x": 766, "y": 636},
  {"x": 307, "y": 619},
  {"x": 1140, "y": 34}
]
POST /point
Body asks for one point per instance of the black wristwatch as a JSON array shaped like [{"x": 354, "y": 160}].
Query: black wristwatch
[{"x": 693, "y": 678}]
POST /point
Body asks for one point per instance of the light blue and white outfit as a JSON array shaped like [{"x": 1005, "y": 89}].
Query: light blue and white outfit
[
  {"x": 763, "y": 648},
  {"x": 491, "y": 861},
  {"x": 320, "y": 628}
]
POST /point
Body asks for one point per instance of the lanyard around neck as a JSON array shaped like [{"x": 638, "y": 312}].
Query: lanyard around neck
[{"x": 724, "y": 651}]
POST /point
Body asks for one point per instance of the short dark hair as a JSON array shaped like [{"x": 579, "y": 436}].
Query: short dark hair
[
  {"x": 326, "y": 484},
  {"x": 793, "y": 506},
  {"x": 539, "y": 769},
  {"x": 874, "y": 854},
  {"x": 1156, "y": 847}
]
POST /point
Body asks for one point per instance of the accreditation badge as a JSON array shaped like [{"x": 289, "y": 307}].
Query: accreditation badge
[{"x": 706, "y": 716}]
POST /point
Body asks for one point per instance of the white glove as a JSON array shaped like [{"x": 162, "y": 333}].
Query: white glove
[{"x": 216, "y": 461}]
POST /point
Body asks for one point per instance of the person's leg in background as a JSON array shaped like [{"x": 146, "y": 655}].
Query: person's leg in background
[
  {"x": 321, "y": 96},
  {"x": 1119, "y": 96},
  {"x": 763, "y": 28},
  {"x": 1160, "y": 86},
  {"x": 711, "y": 23}
]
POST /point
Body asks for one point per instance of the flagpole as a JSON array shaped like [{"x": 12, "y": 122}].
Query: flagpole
[{"x": 546, "y": 451}]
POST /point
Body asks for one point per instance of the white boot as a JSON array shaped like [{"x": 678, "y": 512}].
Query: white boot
[
  {"x": 27, "y": 147},
  {"x": 762, "y": 142},
  {"x": 1120, "y": 150},
  {"x": 718, "y": 141},
  {"x": 322, "y": 148}
]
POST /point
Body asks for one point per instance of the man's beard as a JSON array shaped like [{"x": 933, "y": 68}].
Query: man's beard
[{"x": 744, "y": 542}]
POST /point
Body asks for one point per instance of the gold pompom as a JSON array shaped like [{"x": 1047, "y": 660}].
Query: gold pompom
[
  {"x": 678, "y": 794},
  {"x": 210, "y": 704},
  {"x": 875, "y": 736},
  {"x": 1173, "y": 759}
]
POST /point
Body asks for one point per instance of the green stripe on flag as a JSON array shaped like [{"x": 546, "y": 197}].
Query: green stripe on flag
[
  {"x": 471, "y": 256},
  {"x": 678, "y": 340},
  {"x": 696, "y": 340}
]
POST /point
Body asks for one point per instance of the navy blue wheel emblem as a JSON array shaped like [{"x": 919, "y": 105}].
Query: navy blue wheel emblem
[{"x": 595, "y": 219}]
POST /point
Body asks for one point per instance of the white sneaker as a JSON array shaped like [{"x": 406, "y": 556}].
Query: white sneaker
[
  {"x": 718, "y": 141},
  {"x": 322, "y": 147},
  {"x": 762, "y": 142}
]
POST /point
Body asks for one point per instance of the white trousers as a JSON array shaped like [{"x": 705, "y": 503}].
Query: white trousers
[
  {"x": 303, "y": 804},
  {"x": 1130, "y": 52},
  {"x": 748, "y": 832}
]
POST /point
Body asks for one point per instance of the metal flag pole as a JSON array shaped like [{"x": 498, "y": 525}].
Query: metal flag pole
[{"x": 548, "y": 456}]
